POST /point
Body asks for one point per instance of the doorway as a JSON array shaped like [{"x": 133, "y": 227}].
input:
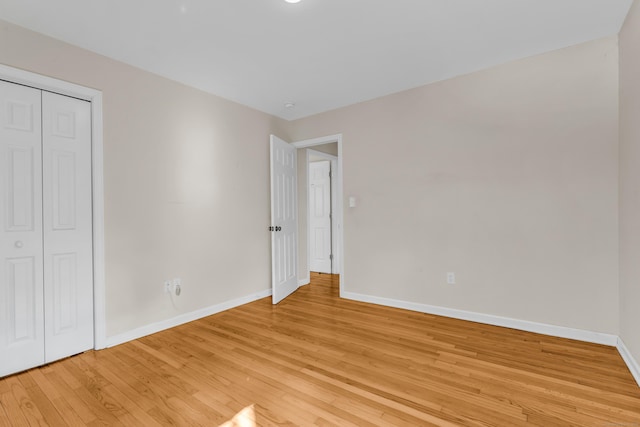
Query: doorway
[{"x": 337, "y": 240}]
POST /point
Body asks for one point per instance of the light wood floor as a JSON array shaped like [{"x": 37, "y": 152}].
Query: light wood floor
[{"x": 318, "y": 360}]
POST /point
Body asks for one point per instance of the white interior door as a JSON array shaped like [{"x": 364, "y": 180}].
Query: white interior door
[
  {"x": 21, "y": 278},
  {"x": 320, "y": 216},
  {"x": 68, "y": 274},
  {"x": 284, "y": 219}
]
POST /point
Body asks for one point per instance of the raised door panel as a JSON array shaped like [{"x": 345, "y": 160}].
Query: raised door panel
[
  {"x": 63, "y": 186},
  {"x": 67, "y": 226},
  {"x": 21, "y": 276},
  {"x": 22, "y": 302},
  {"x": 20, "y": 188},
  {"x": 65, "y": 293}
]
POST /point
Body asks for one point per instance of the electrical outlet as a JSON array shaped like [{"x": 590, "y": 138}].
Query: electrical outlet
[
  {"x": 167, "y": 287},
  {"x": 177, "y": 286},
  {"x": 451, "y": 278}
]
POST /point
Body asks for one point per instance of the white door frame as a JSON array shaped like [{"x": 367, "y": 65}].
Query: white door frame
[
  {"x": 335, "y": 264},
  {"x": 307, "y": 143},
  {"x": 94, "y": 96}
]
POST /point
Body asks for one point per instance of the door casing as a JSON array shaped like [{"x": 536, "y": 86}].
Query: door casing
[{"x": 338, "y": 227}]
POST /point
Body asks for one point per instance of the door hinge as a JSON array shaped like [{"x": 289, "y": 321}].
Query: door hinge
[
  {"x": 330, "y": 174},
  {"x": 331, "y": 257}
]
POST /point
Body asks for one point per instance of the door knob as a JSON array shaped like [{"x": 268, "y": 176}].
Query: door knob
[{"x": 18, "y": 244}]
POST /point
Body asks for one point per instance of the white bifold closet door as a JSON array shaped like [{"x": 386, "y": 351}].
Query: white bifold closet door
[{"x": 46, "y": 272}]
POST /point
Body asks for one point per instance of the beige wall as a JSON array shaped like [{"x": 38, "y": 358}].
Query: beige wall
[
  {"x": 331, "y": 148},
  {"x": 630, "y": 181},
  {"x": 507, "y": 177},
  {"x": 186, "y": 184}
]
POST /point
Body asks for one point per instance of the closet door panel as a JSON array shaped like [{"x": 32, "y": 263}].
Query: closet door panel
[
  {"x": 68, "y": 291},
  {"x": 21, "y": 248}
]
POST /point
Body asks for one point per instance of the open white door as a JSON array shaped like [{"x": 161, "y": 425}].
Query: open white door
[
  {"x": 320, "y": 216},
  {"x": 284, "y": 219}
]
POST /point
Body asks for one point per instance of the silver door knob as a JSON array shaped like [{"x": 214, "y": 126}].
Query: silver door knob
[{"x": 19, "y": 244}]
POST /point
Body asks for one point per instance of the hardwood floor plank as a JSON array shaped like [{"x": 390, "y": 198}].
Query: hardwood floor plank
[
  {"x": 68, "y": 396},
  {"x": 316, "y": 359},
  {"x": 168, "y": 393},
  {"x": 12, "y": 412},
  {"x": 28, "y": 407},
  {"x": 50, "y": 414},
  {"x": 284, "y": 360}
]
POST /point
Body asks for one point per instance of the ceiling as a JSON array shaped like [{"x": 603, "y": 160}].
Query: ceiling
[{"x": 317, "y": 54}]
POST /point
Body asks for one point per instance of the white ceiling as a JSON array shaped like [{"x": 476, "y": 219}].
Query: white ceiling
[{"x": 319, "y": 54}]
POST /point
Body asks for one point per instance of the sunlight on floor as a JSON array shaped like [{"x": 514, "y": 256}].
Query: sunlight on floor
[{"x": 244, "y": 418}]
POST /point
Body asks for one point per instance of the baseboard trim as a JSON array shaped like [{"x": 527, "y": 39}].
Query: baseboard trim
[
  {"x": 305, "y": 281},
  {"x": 183, "y": 318},
  {"x": 628, "y": 358},
  {"x": 523, "y": 325}
]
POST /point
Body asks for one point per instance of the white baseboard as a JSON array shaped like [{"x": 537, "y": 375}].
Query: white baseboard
[
  {"x": 628, "y": 358},
  {"x": 183, "y": 318},
  {"x": 523, "y": 325},
  {"x": 304, "y": 282}
]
